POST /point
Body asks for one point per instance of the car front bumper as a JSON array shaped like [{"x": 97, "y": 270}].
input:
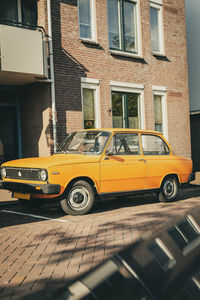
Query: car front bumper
[{"x": 46, "y": 189}]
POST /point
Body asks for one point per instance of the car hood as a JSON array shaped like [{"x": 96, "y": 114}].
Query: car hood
[{"x": 51, "y": 161}]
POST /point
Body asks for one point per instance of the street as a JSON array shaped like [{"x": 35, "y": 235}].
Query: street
[{"x": 45, "y": 249}]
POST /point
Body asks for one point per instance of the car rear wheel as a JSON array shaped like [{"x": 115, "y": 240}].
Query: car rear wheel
[
  {"x": 32, "y": 203},
  {"x": 169, "y": 189},
  {"x": 79, "y": 199}
]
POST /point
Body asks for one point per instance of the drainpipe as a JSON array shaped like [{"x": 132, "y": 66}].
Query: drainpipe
[{"x": 53, "y": 99}]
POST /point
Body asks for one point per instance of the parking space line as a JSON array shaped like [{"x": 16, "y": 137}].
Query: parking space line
[{"x": 33, "y": 216}]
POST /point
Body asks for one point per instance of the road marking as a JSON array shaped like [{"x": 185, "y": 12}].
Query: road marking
[{"x": 33, "y": 216}]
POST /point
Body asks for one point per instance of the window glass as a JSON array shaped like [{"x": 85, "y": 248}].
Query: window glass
[
  {"x": 154, "y": 145},
  {"x": 88, "y": 108},
  {"x": 88, "y": 142},
  {"x": 133, "y": 114},
  {"x": 158, "y": 113},
  {"x": 154, "y": 18},
  {"x": 117, "y": 110},
  {"x": 8, "y": 10},
  {"x": 121, "y": 23},
  {"x": 85, "y": 19},
  {"x": 113, "y": 24},
  {"x": 129, "y": 26},
  {"x": 124, "y": 144},
  {"x": 29, "y": 12},
  {"x": 125, "y": 110},
  {"x": 184, "y": 233}
]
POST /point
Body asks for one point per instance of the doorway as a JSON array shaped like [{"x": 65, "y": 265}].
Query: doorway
[{"x": 8, "y": 133}]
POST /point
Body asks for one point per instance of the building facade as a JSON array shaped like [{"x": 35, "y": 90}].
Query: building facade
[{"x": 102, "y": 63}]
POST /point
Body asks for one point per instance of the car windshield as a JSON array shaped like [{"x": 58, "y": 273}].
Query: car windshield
[{"x": 85, "y": 142}]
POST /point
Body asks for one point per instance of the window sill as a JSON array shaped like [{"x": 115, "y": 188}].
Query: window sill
[
  {"x": 126, "y": 54},
  {"x": 92, "y": 42},
  {"x": 159, "y": 54}
]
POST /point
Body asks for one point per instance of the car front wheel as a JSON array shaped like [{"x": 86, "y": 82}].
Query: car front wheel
[
  {"x": 169, "y": 189},
  {"x": 79, "y": 199}
]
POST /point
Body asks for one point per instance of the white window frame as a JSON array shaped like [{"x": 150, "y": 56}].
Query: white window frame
[
  {"x": 161, "y": 91},
  {"x": 135, "y": 88},
  {"x": 93, "y": 23},
  {"x": 139, "y": 53},
  {"x": 157, "y": 4},
  {"x": 92, "y": 84}
]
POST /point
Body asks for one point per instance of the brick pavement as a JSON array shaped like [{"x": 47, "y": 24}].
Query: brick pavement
[{"x": 38, "y": 256}]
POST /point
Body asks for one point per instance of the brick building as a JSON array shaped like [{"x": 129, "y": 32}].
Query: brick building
[{"x": 110, "y": 63}]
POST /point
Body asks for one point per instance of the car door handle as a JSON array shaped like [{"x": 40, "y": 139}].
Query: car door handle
[{"x": 144, "y": 160}]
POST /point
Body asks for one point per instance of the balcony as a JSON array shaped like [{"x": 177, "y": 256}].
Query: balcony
[{"x": 23, "y": 57}]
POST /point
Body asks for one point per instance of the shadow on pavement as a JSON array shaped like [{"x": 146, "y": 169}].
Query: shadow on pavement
[{"x": 101, "y": 208}]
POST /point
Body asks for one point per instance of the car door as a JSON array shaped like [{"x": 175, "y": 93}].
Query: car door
[
  {"x": 122, "y": 168},
  {"x": 159, "y": 162}
]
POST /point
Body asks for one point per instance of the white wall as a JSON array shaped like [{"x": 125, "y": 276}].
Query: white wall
[{"x": 192, "y": 8}]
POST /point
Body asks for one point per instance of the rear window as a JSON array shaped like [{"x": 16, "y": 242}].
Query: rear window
[{"x": 154, "y": 145}]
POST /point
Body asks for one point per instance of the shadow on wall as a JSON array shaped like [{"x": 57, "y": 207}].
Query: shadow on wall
[
  {"x": 35, "y": 126},
  {"x": 68, "y": 71}
]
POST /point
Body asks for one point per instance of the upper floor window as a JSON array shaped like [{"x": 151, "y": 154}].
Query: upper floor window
[
  {"x": 22, "y": 11},
  {"x": 86, "y": 10},
  {"x": 156, "y": 21},
  {"x": 122, "y": 23}
]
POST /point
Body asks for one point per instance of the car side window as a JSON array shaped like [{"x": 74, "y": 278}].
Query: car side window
[
  {"x": 154, "y": 145},
  {"x": 124, "y": 144}
]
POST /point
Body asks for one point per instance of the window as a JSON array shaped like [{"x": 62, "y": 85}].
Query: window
[
  {"x": 123, "y": 25},
  {"x": 157, "y": 40},
  {"x": 186, "y": 234},
  {"x": 90, "y": 103},
  {"x": 160, "y": 110},
  {"x": 154, "y": 145},
  {"x": 124, "y": 144},
  {"x": 22, "y": 11},
  {"x": 161, "y": 254},
  {"x": 8, "y": 10},
  {"x": 86, "y": 10},
  {"x": 125, "y": 110},
  {"x": 158, "y": 113}
]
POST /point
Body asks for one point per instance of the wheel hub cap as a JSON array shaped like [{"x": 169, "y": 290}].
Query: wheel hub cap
[
  {"x": 168, "y": 188},
  {"x": 78, "y": 198}
]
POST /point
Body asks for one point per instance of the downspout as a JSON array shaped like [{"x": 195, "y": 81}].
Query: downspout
[{"x": 53, "y": 99}]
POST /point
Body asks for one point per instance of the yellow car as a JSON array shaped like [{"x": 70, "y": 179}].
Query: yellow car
[{"x": 98, "y": 163}]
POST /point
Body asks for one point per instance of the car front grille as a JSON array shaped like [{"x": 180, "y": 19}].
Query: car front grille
[{"x": 22, "y": 173}]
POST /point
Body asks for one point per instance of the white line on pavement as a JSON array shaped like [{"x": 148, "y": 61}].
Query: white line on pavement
[{"x": 33, "y": 216}]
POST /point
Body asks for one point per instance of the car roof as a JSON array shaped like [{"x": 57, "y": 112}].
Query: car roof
[{"x": 123, "y": 130}]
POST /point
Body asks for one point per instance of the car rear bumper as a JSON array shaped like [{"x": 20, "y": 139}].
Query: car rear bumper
[{"x": 46, "y": 189}]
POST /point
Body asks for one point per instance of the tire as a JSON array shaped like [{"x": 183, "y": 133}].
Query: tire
[
  {"x": 169, "y": 189},
  {"x": 32, "y": 203},
  {"x": 79, "y": 199}
]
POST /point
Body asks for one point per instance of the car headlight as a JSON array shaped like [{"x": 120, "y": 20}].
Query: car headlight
[
  {"x": 3, "y": 172},
  {"x": 43, "y": 175}
]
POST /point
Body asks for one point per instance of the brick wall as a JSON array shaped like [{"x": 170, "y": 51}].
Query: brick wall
[
  {"x": 75, "y": 59},
  {"x": 35, "y": 121}
]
